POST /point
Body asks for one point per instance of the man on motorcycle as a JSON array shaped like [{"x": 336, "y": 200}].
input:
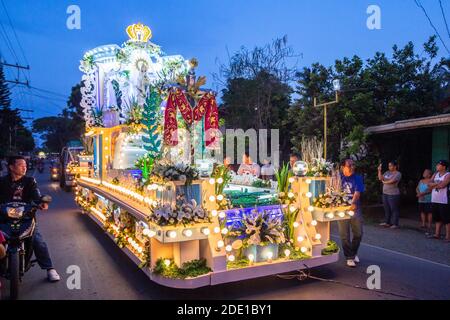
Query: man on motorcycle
[{"x": 16, "y": 186}]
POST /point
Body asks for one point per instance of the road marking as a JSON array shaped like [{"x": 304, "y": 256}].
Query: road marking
[{"x": 400, "y": 253}]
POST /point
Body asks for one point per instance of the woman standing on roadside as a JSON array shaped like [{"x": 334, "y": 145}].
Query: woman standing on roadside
[
  {"x": 391, "y": 194},
  {"x": 424, "y": 198}
]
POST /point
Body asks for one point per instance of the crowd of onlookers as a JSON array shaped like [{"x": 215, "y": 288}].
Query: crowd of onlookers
[{"x": 432, "y": 193}]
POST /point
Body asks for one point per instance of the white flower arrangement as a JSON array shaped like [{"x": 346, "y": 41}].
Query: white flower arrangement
[{"x": 183, "y": 212}]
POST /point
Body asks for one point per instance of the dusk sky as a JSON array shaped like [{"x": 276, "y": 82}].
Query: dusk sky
[{"x": 320, "y": 30}]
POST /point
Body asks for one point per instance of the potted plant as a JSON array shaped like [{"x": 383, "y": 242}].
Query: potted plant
[{"x": 260, "y": 234}]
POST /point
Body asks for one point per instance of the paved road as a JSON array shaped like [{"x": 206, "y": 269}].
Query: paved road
[{"x": 108, "y": 274}]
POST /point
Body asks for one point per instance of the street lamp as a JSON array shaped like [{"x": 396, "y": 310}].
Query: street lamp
[{"x": 337, "y": 88}]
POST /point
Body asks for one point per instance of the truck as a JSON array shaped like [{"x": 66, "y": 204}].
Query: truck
[{"x": 69, "y": 158}]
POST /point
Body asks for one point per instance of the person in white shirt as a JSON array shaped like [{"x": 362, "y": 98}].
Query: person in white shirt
[
  {"x": 440, "y": 200},
  {"x": 248, "y": 167},
  {"x": 267, "y": 170}
]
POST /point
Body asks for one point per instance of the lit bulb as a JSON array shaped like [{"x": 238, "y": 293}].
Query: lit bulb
[
  {"x": 228, "y": 248},
  {"x": 172, "y": 234},
  {"x": 205, "y": 231},
  {"x": 220, "y": 181},
  {"x": 216, "y": 230},
  {"x": 318, "y": 236},
  {"x": 139, "y": 250},
  {"x": 222, "y": 215},
  {"x": 187, "y": 233},
  {"x": 291, "y": 195},
  {"x": 231, "y": 258},
  {"x": 341, "y": 214},
  {"x": 351, "y": 213},
  {"x": 291, "y": 180},
  {"x": 308, "y": 181},
  {"x": 212, "y": 181},
  {"x": 269, "y": 255},
  {"x": 287, "y": 252},
  {"x": 224, "y": 231},
  {"x": 303, "y": 249},
  {"x": 292, "y": 208},
  {"x": 151, "y": 234},
  {"x": 308, "y": 195},
  {"x": 314, "y": 223},
  {"x": 220, "y": 244},
  {"x": 212, "y": 198},
  {"x": 296, "y": 224},
  {"x": 300, "y": 239},
  {"x": 167, "y": 262},
  {"x": 220, "y": 197},
  {"x": 310, "y": 208},
  {"x": 146, "y": 232},
  {"x": 214, "y": 213},
  {"x": 330, "y": 215},
  {"x": 251, "y": 257}
]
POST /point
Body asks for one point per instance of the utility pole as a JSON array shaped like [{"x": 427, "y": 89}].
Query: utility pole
[{"x": 18, "y": 67}]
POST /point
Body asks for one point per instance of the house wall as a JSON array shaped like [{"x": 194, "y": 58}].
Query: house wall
[{"x": 441, "y": 145}]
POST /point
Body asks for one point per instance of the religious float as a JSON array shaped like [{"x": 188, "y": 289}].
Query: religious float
[{"x": 183, "y": 217}]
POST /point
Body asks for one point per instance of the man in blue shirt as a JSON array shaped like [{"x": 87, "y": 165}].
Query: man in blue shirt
[{"x": 353, "y": 185}]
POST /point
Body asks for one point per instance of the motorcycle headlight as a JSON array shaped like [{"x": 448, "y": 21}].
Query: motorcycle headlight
[{"x": 15, "y": 212}]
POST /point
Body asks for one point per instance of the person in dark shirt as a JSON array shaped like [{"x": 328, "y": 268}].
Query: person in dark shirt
[
  {"x": 2, "y": 246},
  {"x": 353, "y": 185},
  {"x": 16, "y": 186}
]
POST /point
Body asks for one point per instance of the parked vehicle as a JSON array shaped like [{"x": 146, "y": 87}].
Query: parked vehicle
[
  {"x": 69, "y": 156},
  {"x": 18, "y": 223}
]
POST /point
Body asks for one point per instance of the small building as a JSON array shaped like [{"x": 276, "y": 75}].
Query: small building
[{"x": 416, "y": 144}]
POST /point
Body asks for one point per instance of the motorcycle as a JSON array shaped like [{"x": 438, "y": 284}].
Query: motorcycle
[
  {"x": 40, "y": 167},
  {"x": 18, "y": 223}
]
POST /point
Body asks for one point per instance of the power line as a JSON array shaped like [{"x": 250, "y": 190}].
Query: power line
[
  {"x": 431, "y": 23},
  {"x": 4, "y": 34},
  {"x": 445, "y": 19},
  {"x": 15, "y": 34},
  {"x": 48, "y": 91}
]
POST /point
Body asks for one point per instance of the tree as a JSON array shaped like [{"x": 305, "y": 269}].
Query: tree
[
  {"x": 381, "y": 90},
  {"x": 14, "y": 136},
  {"x": 5, "y": 101},
  {"x": 257, "y": 91},
  {"x": 57, "y": 131}
]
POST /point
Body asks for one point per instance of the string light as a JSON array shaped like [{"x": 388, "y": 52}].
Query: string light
[
  {"x": 219, "y": 180},
  {"x": 300, "y": 239},
  {"x": 188, "y": 233},
  {"x": 291, "y": 180},
  {"x": 231, "y": 258},
  {"x": 308, "y": 181},
  {"x": 341, "y": 214},
  {"x": 295, "y": 224},
  {"x": 214, "y": 213},
  {"x": 224, "y": 231},
  {"x": 216, "y": 230},
  {"x": 303, "y": 249},
  {"x": 167, "y": 262},
  {"x": 287, "y": 253},
  {"x": 318, "y": 236},
  {"x": 351, "y": 213},
  {"x": 251, "y": 257},
  {"x": 314, "y": 223},
  {"x": 310, "y": 208},
  {"x": 212, "y": 181},
  {"x": 205, "y": 231},
  {"x": 308, "y": 195},
  {"x": 220, "y": 244},
  {"x": 228, "y": 248}
]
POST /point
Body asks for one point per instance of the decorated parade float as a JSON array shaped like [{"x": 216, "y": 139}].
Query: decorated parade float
[{"x": 185, "y": 219}]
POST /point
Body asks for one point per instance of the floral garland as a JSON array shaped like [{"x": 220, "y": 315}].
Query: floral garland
[
  {"x": 167, "y": 171},
  {"x": 183, "y": 213},
  {"x": 332, "y": 199}
]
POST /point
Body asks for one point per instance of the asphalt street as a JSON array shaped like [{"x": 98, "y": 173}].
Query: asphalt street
[{"x": 107, "y": 273}]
